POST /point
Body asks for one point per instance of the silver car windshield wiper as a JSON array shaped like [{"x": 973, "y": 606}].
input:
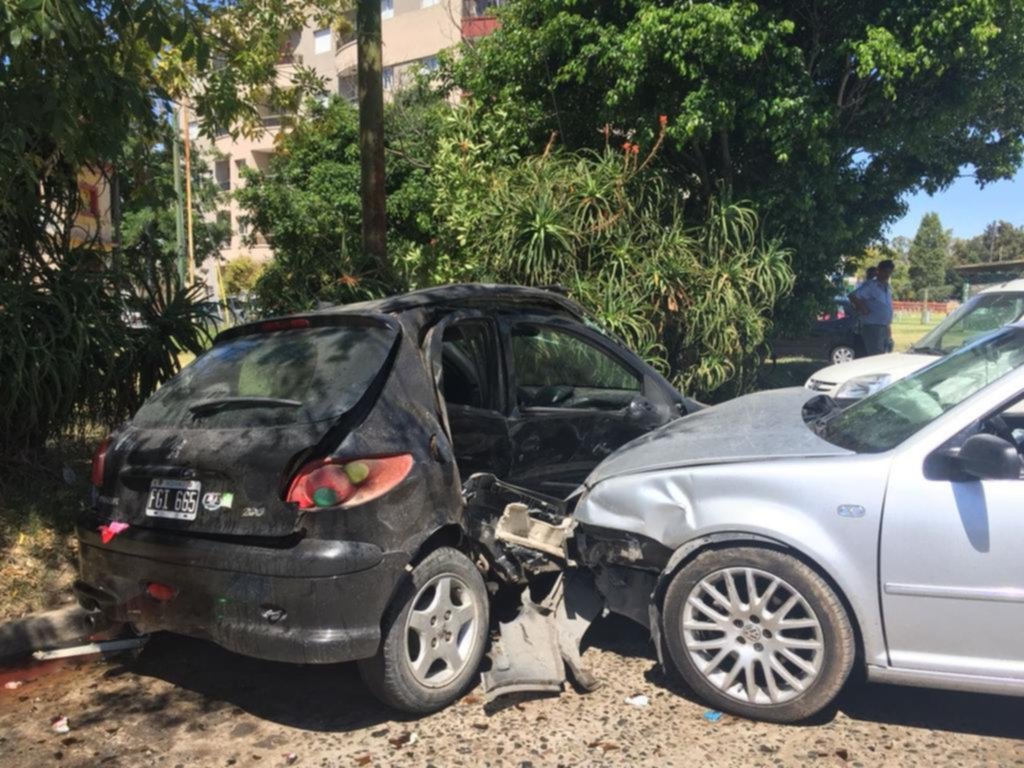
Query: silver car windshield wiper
[{"x": 204, "y": 406}]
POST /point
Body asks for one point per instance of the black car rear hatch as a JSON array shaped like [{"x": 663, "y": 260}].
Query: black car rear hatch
[{"x": 212, "y": 451}]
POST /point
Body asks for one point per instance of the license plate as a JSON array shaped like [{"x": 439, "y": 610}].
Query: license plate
[{"x": 175, "y": 499}]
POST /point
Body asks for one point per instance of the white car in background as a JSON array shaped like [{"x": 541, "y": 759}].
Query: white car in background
[{"x": 990, "y": 309}]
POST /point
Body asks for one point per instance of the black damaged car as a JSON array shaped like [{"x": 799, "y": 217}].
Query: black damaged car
[{"x": 295, "y": 493}]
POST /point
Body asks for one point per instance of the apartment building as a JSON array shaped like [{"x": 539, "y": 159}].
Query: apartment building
[{"x": 413, "y": 32}]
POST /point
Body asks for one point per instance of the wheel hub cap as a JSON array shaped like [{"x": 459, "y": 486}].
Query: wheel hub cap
[
  {"x": 752, "y": 636},
  {"x": 440, "y": 631},
  {"x": 752, "y": 633}
]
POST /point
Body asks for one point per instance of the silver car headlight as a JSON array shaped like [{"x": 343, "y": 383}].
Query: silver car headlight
[{"x": 861, "y": 386}]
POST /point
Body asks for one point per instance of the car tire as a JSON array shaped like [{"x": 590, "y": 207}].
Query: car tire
[
  {"x": 792, "y": 644},
  {"x": 842, "y": 353},
  {"x": 434, "y": 635}
]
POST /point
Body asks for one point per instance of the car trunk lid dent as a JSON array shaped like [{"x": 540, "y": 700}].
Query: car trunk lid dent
[{"x": 763, "y": 425}]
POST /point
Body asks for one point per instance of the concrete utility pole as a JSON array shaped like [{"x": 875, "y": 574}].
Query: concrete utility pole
[
  {"x": 188, "y": 191},
  {"x": 371, "y": 128},
  {"x": 179, "y": 203}
]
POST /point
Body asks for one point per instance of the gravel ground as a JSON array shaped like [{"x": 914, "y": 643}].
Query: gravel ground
[{"x": 188, "y": 703}]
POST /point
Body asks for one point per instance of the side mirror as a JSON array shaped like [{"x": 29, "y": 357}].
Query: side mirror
[
  {"x": 982, "y": 457},
  {"x": 642, "y": 410}
]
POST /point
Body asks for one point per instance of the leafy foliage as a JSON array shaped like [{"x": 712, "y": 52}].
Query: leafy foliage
[
  {"x": 693, "y": 300},
  {"x": 1001, "y": 241},
  {"x": 308, "y": 205},
  {"x": 85, "y": 334},
  {"x": 929, "y": 258},
  {"x": 822, "y": 114},
  {"x": 241, "y": 275}
]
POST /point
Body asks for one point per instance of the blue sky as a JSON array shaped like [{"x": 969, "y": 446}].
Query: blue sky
[{"x": 966, "y": 208}]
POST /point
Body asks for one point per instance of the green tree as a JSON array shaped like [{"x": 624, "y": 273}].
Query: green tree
[
  {"x": 1001, "y": 241},
  {"x": 824, "y": 114},
  {"x": 694, "y": 299},
  {"x": 88, "y": 85},
  {"x": 241, "y": 275},
  {"x": 308, "y": 205},
  {"x": 929, "y": 258},
  {"x": 148, "y": 200}
]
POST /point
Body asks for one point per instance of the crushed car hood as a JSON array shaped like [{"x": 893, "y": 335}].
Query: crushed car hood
[{"x": 765, "y": 425}]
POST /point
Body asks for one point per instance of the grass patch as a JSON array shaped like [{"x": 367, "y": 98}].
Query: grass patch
[
  {"x": 908, "y": 329},
  {"x": 40, "y": 498}
]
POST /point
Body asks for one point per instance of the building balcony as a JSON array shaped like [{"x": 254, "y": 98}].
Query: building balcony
[{"x": 478, "y": 26}]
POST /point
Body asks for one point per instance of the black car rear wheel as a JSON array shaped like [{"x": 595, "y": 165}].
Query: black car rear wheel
[
  {"x": 842, "y": 353},
  {"x": 758, "y": 633},
  {"x": 434, "y": 635}
]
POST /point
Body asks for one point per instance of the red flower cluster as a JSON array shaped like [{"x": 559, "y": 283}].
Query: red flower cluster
[
  {"x": 631, "y": 148},
  {"x": 663, "y": 120}
]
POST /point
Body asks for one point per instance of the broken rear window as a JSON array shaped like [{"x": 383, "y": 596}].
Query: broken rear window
[{"x": 272, "y": 379}]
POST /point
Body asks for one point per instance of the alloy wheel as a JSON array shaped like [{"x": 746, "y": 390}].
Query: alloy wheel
[
  {"x": 752, "y": 635},
  {"x": 441, "y": 630}
]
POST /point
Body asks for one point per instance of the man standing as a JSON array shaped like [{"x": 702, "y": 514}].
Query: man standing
[{"x": 873, "y": 299}]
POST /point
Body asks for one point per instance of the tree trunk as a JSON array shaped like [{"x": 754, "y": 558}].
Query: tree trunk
[{"x": 371, "y": 129}]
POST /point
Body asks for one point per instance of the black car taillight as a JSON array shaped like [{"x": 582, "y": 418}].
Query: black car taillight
[
  {"x": 99, "y": 462},
  {"x": 334, "y": 482}
]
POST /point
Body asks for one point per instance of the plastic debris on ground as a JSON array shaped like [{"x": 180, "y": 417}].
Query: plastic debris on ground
[
  {"x": 60, "y": 724},
  {"x": 404, "y": 739},
  {"x": 712, "y": 716},
  {"x": 290, "y": 758},
  {"x": 640, "y": 700},
  {"x": 13, "y": 685}
]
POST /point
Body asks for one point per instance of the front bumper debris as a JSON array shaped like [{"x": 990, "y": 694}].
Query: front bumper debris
[{"x": 534, "y": 650}]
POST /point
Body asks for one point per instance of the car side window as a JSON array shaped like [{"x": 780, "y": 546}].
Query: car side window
[
  {"x": 555, "y": 368},
  {"x": 990, "y": 314},
  {"x": 469, "y": 361}
]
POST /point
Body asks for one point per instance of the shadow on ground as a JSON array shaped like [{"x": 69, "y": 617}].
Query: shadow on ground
[
  {"x": 952, "y": 711},
  {"x": 329, "y": 698},
  {"x": 334, "y": 699}
]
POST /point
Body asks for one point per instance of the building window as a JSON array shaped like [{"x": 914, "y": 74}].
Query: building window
[
  {"x": 485, "y": 7},
  {"x": 322, "y": 41},
  {"x": 222, "y": 174},
  {"x": 240, "y": 166},
  {"x": 428, "y": 64},
  {"x": 89, "y": 200},
  {"x": 193, "y": 129},
  {"x": 348, "y": 88},
  {"x": 389, "y": 78},
  {"x": 224, "y": 224},
  {"x": 387, "y": 9}
]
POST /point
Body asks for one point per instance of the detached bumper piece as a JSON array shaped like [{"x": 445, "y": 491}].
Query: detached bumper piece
[{"x": 534, "y": 651}]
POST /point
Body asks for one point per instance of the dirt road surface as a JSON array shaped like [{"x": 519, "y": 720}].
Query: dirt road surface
[{"x": 189, "y": 703}]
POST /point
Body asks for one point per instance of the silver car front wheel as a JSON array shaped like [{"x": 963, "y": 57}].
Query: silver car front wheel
[
  {"x": 752, "y": 635},
  {"x": 757, "y": 632}
]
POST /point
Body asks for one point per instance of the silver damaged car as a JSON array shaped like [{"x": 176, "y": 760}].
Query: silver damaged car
[{"x": 773, "y": 542}]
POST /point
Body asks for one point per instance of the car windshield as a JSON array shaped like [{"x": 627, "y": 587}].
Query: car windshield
[
  {"x": 272, "y": 379},
  {"x": 884, "y": 420},
  {"x": 982, "y": 314}
]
